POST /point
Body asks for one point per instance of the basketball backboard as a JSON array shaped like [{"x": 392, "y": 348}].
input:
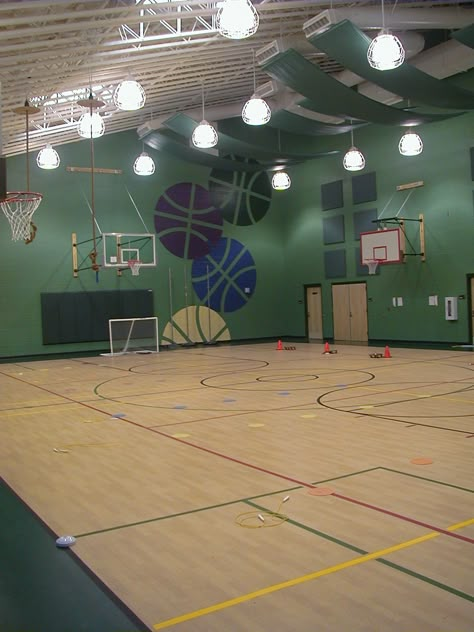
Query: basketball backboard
[
  {"x": 120, "y": 248},
  {"x": 380, "y": 245}
]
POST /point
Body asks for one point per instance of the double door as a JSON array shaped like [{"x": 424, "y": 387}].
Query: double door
[{"x": 349, "y": 308}]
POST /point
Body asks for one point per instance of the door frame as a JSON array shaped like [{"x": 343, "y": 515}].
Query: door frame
[
  {"x": 470, "y": 308},
  {"x": 366, "y": 303},
  {"x": 306, "y": 287}
]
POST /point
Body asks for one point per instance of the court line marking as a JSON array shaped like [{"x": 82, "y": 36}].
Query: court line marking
[
  {"x": 217, "y": 506},
  {"x": 352, "y": 547},
  {"x": 258, "y": 468},
  {"x": 306, "y": 578}
]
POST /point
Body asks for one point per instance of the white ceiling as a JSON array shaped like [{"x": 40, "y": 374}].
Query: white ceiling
[{"x": 52, "y": 51}]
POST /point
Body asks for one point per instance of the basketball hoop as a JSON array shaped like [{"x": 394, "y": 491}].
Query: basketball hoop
[
  {"x": 134, "y": 265},
  {"x": 372, "y": 265},
  {"x": 19, "y": 207}
]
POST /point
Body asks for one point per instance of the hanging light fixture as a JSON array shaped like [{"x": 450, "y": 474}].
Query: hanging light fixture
[
  {"x": 410, "y": 144},
  {"x": 204, "y": 135},
  {"x": 385, "y": 52},
  {"x": 353, "y": 159},
  {"x": 144, "y": 165},
  {"x": 281, "y": 181},
  {"x": 256, "y": 111},
  {"x": 91, "y": 124},
  {"x": 237, "y": 19},
  {"x": 129, "y": 95},
  {"x": 48, "y": 158}
]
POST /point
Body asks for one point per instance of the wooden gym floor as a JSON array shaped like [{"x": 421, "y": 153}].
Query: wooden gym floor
[{"x": 150, "y": 461}]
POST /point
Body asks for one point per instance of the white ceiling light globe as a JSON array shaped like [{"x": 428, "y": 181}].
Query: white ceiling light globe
[
  {"x": 385, "y": 52},
  {"x": 48, "y": 158},
  {"x": 144, "y": 165},
  {"x": 281, "y": 181},
  {"x": 237, "y": 19},
  {"x": 410, "y": 144},
  {"x": 353, "y": 160},
  {"x": 204, "y": 136},
  {"x": 129, "y": 95},
  {"x": 256, "y": 112},
  {"x": 91, "y": 126}
]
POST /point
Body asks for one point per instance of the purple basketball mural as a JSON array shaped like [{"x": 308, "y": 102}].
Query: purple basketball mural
[{"x": 186, "y": 222}]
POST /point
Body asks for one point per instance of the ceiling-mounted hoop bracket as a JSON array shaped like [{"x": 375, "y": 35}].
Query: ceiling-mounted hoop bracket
[{"x": 90, "y": 257}]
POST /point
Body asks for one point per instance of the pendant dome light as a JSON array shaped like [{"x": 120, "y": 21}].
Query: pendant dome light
[
  {"x": 385, "y": 52},
  {"x": 281, "y": 180},
  {"x": 204, "y": 135},
  {"x": 410, "y": 144},
  {"x": 353, "y": 159},
  {"x": 256, "y": 111},
  {"x": 129, "y": 95},
  {"x": 144, "y": 165},
  {"x": 91, "y": 124},
  {"x": 237, "y": 19},
  {"x": 48, "y": 158}
]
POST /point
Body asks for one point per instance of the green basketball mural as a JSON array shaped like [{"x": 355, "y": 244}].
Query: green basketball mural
[{"x": 244, "y": 198}]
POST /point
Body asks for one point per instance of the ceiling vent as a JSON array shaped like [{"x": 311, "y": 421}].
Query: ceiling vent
[
  {"x": 320, "y": 23},
  {"x": 263, "y": 55},
  {"x": 267, "y": 89}
]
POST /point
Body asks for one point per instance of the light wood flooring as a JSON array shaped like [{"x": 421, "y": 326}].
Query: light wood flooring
[{"x": 150, "y": 461}]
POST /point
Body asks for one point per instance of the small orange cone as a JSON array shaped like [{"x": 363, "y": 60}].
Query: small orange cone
[
  {"x": 387, "y": 353},
  {"x": 279, "y": 346},
  {"x": 326, "y": 348}
]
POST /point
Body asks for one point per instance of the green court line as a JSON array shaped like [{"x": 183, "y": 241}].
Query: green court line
[
  {"x": 351, "y": 547},
  {"x": 424, "y": 478},
  {"x": 231, "y": 502},
  {"x": 268, "y": 494}
]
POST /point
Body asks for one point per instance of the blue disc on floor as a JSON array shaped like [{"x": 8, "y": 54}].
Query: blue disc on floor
[{"x": 65, "y": 541}]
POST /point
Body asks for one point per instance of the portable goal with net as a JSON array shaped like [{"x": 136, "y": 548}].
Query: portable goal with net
[{"x": 133, "y": 335}]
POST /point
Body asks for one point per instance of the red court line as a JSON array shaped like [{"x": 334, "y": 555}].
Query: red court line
[{"x": 256, "y": 467}]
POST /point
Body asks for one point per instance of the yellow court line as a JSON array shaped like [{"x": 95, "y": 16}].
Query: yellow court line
[{"x": 305, "y": 578}]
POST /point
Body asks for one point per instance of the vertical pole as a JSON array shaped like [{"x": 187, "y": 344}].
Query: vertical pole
[
  {"x": 209, "y": 304},
  {"x": 170, "y": 285}
]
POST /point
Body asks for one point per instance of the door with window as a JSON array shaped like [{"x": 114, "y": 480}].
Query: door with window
[
  {"x": 314, "y": 312},
  {"x": 349, "y": 309}
]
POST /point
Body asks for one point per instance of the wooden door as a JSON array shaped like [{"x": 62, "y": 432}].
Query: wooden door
[
  {"x": 349, "y": 306},
  {"x": 341, "y": 312},
  {"x": 314, "y": 313}
]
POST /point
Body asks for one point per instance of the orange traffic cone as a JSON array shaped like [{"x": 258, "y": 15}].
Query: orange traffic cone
[
  {"x": 279, "y": 346},
  {"x": 326, "y": 348},
  {"x": 387, "y": 353}
]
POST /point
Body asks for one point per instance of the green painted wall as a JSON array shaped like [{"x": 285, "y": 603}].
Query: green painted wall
[
  {"x": 286, "y": 244},
  {"x": 45, "y": 265},
  {"x": 446, "y": 200}
]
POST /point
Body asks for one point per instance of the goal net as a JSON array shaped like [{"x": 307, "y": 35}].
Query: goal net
[{"x": 133, "y": 335}]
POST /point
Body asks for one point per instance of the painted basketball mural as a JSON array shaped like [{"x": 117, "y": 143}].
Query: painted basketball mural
[
  {"x": 225, "y": 279},
  {"x": 244, "y": 198},
  {"x": 186, "y": 221},
  {"x": 196, "y": 324}
]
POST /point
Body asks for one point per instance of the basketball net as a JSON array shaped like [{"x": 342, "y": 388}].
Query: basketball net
[
  {"x": 18, "y": 208},
  {"x": 372, "y": 265},
  {"x": 134, "y": 265}
]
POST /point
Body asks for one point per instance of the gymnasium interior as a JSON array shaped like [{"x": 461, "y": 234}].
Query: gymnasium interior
[{"x": 236, "y": 368}]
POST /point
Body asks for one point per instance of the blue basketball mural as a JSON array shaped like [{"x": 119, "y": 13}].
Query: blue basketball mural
[
  {"x": 244, "y": 198},
  {"x": 186, "y": 222},
  {"x": 221, "y": 278}
]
